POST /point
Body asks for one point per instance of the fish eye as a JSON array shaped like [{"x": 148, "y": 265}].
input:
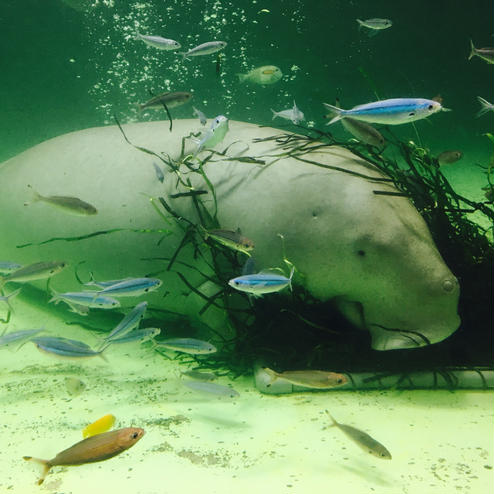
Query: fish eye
[
  {"x": 430, "y": 107},
  {"x": 339, "y": 381},
  {"x": 135, "y": 435},
  {"x": 236, "y": 283},
  {"x": 146, "y": 289},
  {"x": 411, "y": 114}
]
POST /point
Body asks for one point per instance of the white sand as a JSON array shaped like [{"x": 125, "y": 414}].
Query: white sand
[{"x": 441, "y": 442}]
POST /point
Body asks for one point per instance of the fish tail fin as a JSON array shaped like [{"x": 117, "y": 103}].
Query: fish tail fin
[
  {"x": 333, "y": 421},
  {"x": 241, "y": 77},
  {"x": 338, "y": 112},
  {"x": 184, "y": 55},
  {"x": 473, "y": 50},
  {"x": 275, "y": 114},
  {"x": 360, "y": 23},
  {"x": 272, "y": 376},
  {"x": 12, "y": 295},
  {"x": 54, "y": 296},
  {"x": 46, "y": 467},
  {"x": 36, "y": 196},
  {"x": 485, "y": 106},
  {"x": 290, "y": 277}
]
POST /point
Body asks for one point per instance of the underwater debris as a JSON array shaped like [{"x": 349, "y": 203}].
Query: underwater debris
[
  {"x": 74, "y": 386},
  {"x": 92, "y": 449}
]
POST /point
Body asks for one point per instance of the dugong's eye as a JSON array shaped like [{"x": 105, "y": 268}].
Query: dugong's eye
[{"x": 448, "y": 285}]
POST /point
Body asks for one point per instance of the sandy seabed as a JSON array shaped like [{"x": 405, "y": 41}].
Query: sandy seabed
[{"x": 441, "y": 441}]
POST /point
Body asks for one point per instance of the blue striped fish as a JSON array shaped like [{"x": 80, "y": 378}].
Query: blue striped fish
[
  {"x": 394, "y": 111},
  {"x": 261, "y": 283},
  {"x": 128, "y": 323},
  {"x": 132, "y": 287},
  {"x": 65, "y": 347}
]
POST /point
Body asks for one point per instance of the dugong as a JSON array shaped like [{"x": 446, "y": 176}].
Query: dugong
[{"x": 372, "y": 254}]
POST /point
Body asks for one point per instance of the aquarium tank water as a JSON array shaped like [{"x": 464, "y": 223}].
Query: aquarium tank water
[{"x": 246, "y": 245}]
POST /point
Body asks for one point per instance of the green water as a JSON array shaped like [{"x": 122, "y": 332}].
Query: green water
[{"x": 70, "y": 65}]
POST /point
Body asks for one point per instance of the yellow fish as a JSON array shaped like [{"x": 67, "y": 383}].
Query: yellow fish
[{"x": 103, "y": 424}]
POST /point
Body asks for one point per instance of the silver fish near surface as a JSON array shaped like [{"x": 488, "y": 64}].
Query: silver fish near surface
[
  {"x": 485, "y": 106},
  {"x": 448, "y": 157},
  {"x": 486, "y": 54},
  {"x": 375, "y": 24},
  {"x": 362, "y": 440},
  {"x": 34, "y": 272},
  {"x": 205, "y": 49},
  {"x": 104, "y": 284},
  {"x": 72, "y": 205},
  {"x": 133, "y": 287},
  {"x": 188, "y": 345},
  {"x": 261, "y": 283},
  {"x": 170, "y": 99},
  {"x": 129, "y": 322},
  {"x": 159, "y": 42},
  {"x": 65, "y": 347},
  {"x": 18, "y": 337},
  {"x": 293, "y": 114},
  {"x": 212, "y": 389},
  {"x": 393, "y": 111},
  {"x": 91, "y": 300},
  {"x": 137, "y": 335},
  {"x": 8, "y": 266}
]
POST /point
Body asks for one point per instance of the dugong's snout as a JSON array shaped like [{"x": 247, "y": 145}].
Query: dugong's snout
[{"x": 422, "y": 324}]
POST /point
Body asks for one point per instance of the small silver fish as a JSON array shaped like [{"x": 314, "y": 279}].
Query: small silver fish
[
  {"x": 170, "y": 99},
  {"x": 293, "y": 114},
  {"x": 33, "y": 272},
  {"x": 486, "y": 54},
  {"x": 375, "y": 24},
  {"x": 362, "y": 440},
  {"x": 18, "y": 337},
  {"x": 485, "y": 106},
  {"x": 159, "y": 42},
  {"x": 72, "y": 205},
  {"x": 261, "y": 283},
  {"x": 188, "y": 345},
  {"x": 65, "y": 347},
  {"x": 104, "y": 284},
  {"x": 137, "y": 335},
  {"x": 205, "y": 49},
  {"x": 212, "y": 388},
  {"x": 200, "y": 115},
  {"x": 133, "y": 287},
  {"x": 199, "y": 376},
  {"x": 129, "y": 322},
  {"x": 92, "y": 300},
  {"x": 448, "y": 157},
  {"x": 8, "y": 266}
]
